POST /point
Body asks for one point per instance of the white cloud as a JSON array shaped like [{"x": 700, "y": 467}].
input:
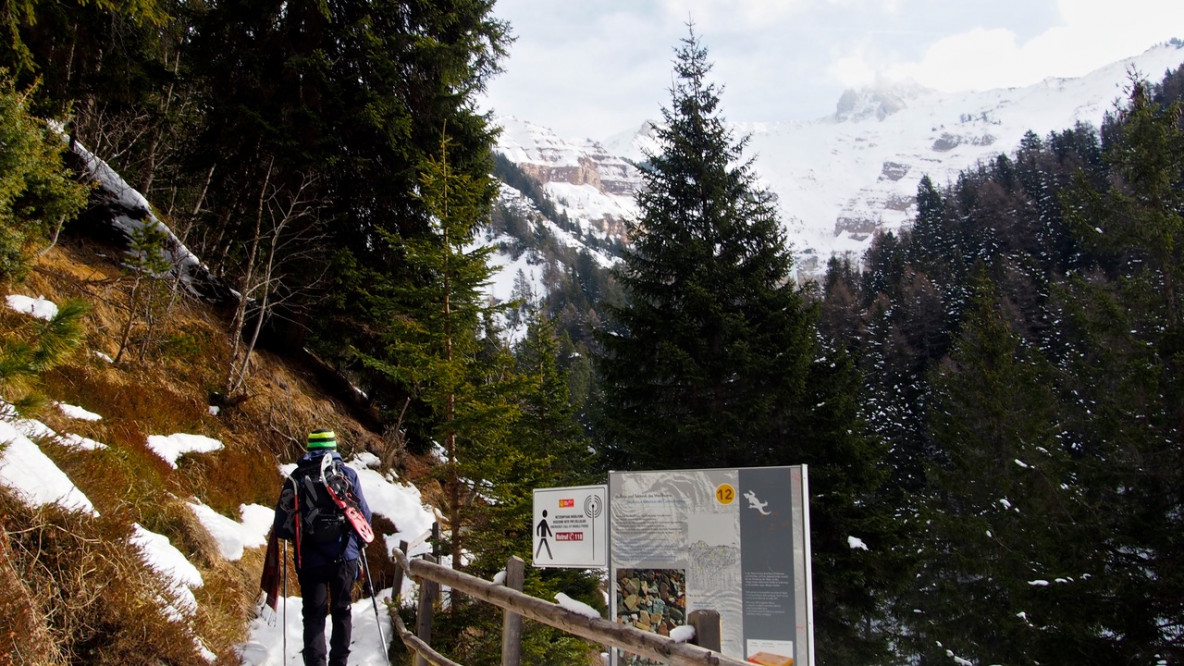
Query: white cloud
[
  {"x": 854, "y": 71},
  {"x": 979, "y": 59},
  {"x": 733, "y": 14},
  {"x": 1088, "y": 35},
  {"x": 593, "y": 69}
]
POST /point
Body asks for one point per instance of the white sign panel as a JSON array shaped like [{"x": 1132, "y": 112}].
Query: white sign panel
[
  {"x": 735, "y": 541},
  {"x": 571, "y": 527}
]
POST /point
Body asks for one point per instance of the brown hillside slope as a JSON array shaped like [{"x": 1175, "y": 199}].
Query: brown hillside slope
[{"x": 71, "y": 589}]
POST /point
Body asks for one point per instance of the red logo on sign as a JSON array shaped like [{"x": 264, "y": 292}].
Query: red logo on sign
[
  {"x": 566, "y": 503},
  {"x": 569, "y": 536}
]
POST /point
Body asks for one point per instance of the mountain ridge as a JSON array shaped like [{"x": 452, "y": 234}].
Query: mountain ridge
[{"x": 843, "y": 177}]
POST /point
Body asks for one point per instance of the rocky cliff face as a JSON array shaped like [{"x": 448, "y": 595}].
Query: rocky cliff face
[
  {"x": 604, "y": 173},
  {"x": 592, "y": 186}
]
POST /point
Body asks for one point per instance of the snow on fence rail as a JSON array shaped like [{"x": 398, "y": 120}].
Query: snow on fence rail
[{"x": 517, "y": 605}]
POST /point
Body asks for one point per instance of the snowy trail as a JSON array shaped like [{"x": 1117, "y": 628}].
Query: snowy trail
[{"x": 265, "y": 642}]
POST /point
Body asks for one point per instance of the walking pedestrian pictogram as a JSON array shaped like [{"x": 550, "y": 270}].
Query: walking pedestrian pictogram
[{"x": 544, "y": 531}]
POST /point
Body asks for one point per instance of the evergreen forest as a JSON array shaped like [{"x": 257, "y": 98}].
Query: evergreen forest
[{"x": 990, "y": 401}]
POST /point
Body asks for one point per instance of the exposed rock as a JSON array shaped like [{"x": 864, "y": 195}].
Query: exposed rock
[
  {"x": 856, "y": 226},
  {"x": 893, "y": 171},
  {"x": 899, "y": 202},
  {"x": 879, "y": 102},
  {"x": 946, "y": 142}
]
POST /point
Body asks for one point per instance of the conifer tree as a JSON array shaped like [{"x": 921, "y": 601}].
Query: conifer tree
[
  {"x": 353, "y": 95},
  {"x": 999, "y": 582},
  {"x": 713, "y": 359},
  {"x": 37, "y": 193},
  {"x": 545, "y": 448},
  {"x": 706, "y": 362},
  {"x": 1125, "y": 330},
  {"x": 33, "y": 347},
  {"x": 432, "y": 343}
]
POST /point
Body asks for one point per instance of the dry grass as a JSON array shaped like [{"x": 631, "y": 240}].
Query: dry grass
[
  {"x": 72, "y": 590},
  {"x": 23, "y": 628},
  {"x": 88, "y": 582}
]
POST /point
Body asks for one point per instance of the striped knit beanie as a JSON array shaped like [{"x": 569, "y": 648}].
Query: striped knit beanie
[{"x": 322, "y": 439}]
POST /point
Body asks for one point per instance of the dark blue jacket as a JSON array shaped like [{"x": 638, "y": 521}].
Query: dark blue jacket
[{"x": 348, "y": 547}]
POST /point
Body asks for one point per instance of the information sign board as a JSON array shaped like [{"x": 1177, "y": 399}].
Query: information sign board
[
  {"x": 735, "y": 541},
  {"x": 571, "y": 527}
]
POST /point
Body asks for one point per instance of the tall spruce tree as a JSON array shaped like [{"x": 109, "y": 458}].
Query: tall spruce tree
[
  {"x": 997, "y": 582},
  {"x": 545, "y": 447},
  {"x": 705, "y": 365},
  {"x": 1125, "y": 326},
  {"x": 713, "y": 360},
  {"x": 432, "y": 343},
  {"x": 354, "y": 96}
]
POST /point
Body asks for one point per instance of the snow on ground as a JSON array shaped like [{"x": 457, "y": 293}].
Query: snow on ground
[
  {"x": 80, "y": 442},
  {"x": 401, "y": 504},
  {"x": 35, "y": 477},
  {"x": 37, "y": 307},
  {"x": 160, "y": 554},
  {"x": 28, "y": 471},
  {"x": 387, "y": 497},
  {"x": 178, "y": 574},
  {"x": 233, "y": 536},
  {"x": 278, "y": 640},
  {"x": 172, "y": 447},
  {"x": 76, "y": 412}
]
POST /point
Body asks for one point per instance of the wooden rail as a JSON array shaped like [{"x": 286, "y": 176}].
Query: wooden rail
[{"x": 515, "y": 603}]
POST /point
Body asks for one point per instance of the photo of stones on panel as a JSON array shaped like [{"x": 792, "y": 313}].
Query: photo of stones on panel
[{"x": 651, "y": 600}]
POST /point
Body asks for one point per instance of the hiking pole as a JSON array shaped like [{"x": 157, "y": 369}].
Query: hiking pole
[
  {"x": 284, "y": 564},
  {"x": 374, "y": 602}
]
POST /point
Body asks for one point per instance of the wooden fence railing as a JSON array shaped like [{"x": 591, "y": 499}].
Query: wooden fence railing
[{"x": 517, "y": 605}]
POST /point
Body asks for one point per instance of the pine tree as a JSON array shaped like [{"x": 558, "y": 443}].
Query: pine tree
[
  {"x": 713, "y": 359},
  {"x": 999, "y": 582},
  {"x": 433, "y": 342},
  {"x": 706, "y": 362},
  {"x": 353, "y": 96},
  {"x": 37, "y": 193},
  {"x": 32, "y": 348},
  {"x": 927, "y": 247},
  {"x": 66, "y": 43},
  {"x": 545, "y": 448},
  {"x": 1125, "y": 333}
]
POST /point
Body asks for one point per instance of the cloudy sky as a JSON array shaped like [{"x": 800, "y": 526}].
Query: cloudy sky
[{"x": 594, "y": 68}]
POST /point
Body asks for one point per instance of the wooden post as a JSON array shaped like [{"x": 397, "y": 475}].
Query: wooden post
[
  {"x": 428, "y": 591},
  {"x": 707, "y": 630},
  {"x": 511, "y": 621},
  {"x": 397, "y": 584}
]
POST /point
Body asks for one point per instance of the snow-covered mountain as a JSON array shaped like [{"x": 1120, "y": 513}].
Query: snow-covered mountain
[{"x": 842, "y": 177}]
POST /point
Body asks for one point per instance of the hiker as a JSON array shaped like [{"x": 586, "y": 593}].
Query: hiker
[{"x": 327, "y": 547}]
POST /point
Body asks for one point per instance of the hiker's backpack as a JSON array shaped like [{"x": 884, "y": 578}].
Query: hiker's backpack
[{"x": 321, "y": 520}]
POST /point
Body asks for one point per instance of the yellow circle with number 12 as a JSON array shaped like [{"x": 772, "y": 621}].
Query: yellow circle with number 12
[{"x": 725, "y": 493}]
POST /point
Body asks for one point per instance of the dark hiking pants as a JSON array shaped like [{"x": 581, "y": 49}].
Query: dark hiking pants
[{"x": 326, "y": 591}]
